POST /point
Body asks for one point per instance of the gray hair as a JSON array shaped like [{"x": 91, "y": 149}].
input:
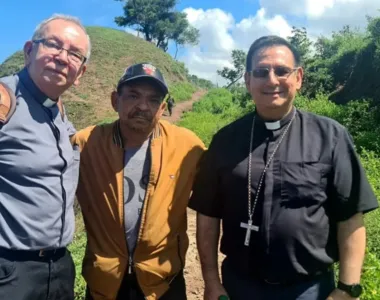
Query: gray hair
[{"x": 38, "y": 32}]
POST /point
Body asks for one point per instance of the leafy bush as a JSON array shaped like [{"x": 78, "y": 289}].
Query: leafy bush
[
  {"x": 371, "y": 277},
  {"x": 216, "y": 101},
  {"x": 360, "y": 117},
  {"x": 211, "y": 113},
  {"x": 182, "y": 91},
  {"x": 371, "y": 163}
]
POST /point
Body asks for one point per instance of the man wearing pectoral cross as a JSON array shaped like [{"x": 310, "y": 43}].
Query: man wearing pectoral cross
[{"x": 290, "y": 192}]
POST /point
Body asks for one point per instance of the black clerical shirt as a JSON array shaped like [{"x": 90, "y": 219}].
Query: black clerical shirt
[{"x": 314, "y": 181}]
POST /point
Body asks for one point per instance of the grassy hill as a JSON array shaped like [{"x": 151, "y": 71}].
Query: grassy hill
[{"x": 112, "y": 51}]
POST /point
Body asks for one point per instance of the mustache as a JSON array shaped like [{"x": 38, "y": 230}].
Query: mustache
[{"x": 141, "y": 114}]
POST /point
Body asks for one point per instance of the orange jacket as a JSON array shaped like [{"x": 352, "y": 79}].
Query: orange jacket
[{"x": 162, "y": 242}]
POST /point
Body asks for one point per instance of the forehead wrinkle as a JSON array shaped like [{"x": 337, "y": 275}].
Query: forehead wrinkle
[
  {"x": 73, "y": 47},
  {"x": 71, "y": 29}
]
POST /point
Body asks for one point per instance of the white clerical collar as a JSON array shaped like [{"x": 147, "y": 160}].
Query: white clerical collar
[
  {"x": 273, "y": 125},
  {"x": 49, "y": 103}
]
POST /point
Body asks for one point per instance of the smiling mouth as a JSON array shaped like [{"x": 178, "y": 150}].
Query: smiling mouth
[{"x": 272, "y": 93}]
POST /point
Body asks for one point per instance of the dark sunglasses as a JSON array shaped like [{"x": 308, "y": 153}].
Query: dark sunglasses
[{"x": 280, "y": 72}]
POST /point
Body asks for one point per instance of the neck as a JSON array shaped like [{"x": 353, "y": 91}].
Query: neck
[
  {"x": 274, "y": 114},
  {"x": 134, "y": 139}
]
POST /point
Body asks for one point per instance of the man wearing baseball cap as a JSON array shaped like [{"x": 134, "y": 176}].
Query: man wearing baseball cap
[{"x": 136, "y": 177}]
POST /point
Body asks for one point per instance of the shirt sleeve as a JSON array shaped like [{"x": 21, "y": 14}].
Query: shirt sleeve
[
  {"x": 352, "y": 192},
  {"x": 204, "y": 198}
]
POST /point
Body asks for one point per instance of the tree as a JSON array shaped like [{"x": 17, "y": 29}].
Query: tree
[
  {"x": 235, "y": 74},
  {"x": 158, "y": 21},
  {"x": 301, "y": 42},
  {"x": 188, "y": 37}
]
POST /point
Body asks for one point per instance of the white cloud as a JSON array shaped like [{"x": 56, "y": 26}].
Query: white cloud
[
  {"x": 249, "y": 29},
  {"x": 325, "y": 16},
  {"x": 220, "y": 34}
]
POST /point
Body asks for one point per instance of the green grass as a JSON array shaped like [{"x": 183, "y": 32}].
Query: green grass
[
  {"x": 82, "y": 112},
  {"x": 77, "y": 251}
]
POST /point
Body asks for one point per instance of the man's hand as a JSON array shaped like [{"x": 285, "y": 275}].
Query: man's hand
[
  {"x": 213, "y": 290},
  {"x": 338, "y": 294}
]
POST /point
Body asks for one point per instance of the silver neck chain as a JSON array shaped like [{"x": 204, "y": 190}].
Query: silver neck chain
[{"x": 251, "y": 209}]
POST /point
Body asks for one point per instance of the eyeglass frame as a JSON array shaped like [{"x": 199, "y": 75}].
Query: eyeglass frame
[
  {"x": 43, "y": 41},
  {"x": 291, "y": 71}
]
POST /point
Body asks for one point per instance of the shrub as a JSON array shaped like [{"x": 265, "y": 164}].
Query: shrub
[
  {"x": 182, "y": 91},
  {"x": 211, "y": 113}
]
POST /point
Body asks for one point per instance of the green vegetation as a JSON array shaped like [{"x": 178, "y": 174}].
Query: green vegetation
[
  {"x": 77, "y": 248},
  {"x": 218, "y": 108},
  {"x": 200, "y": 82},
  {"x": 234, "y": 74},
  {"x": 159, "y": 22},
  {"x": 182, "y": 91},
  {"x": 343, "y": 66}
]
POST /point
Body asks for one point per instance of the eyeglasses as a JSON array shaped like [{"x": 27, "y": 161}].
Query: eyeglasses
[
  {"x": 280, "y": 72},
  {"x": 54, "y": 48}
]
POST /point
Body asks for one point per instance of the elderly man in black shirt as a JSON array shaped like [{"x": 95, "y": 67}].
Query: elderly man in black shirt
[{"x": 289, "y": 189}]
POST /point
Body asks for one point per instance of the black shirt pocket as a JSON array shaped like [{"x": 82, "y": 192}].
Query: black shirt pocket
[{"x": 302, "y": 183}]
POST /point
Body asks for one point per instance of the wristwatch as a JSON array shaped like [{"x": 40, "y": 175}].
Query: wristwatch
[{"x": 354, "y": 290}]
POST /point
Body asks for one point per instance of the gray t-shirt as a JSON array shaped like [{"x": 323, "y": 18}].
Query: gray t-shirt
[{"x": 136, "y": 177}]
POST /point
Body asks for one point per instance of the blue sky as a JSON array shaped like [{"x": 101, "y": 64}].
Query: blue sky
[
  {"x": 224, "y": 25},
  {"x": 18, "y": 23}
]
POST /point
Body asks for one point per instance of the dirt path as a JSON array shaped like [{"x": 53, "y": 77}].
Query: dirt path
[
  {"x": 193, "y": 274},
  {"x": 182, "y": 107}
]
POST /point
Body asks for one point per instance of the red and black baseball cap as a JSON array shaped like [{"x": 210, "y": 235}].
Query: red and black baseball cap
[{"x": 144, "y": 70}]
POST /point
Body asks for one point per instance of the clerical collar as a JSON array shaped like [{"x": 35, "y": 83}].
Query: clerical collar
[
  {"x": 32, "y": 88},
  {"x": 275, "y": 125}
]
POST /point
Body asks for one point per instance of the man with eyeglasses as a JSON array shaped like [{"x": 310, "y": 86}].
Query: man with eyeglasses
[
  {"x": 290, "y": 192},
  {"x": 39, "y": 168}
]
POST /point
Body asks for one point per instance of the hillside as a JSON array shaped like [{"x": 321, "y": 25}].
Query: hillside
[{"x": 112, "y": 51}]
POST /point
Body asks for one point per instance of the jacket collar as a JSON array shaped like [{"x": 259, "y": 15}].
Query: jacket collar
[
  {"x": 34, "y": 90},
  {"x": 118, "y": 138}
]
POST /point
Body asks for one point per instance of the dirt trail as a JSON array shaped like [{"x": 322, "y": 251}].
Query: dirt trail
[
  {"x": 182, "y": 107},
  {"x": 193, "y": 274}
]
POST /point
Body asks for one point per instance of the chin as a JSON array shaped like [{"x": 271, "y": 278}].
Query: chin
[
  {"x": 139, "y": 127},
  {"x": 272, "y": 102},
  {"x": 56, "y": 80}
]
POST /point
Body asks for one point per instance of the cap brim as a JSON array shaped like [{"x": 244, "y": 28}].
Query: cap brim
[{"x": 156, "y": 80}]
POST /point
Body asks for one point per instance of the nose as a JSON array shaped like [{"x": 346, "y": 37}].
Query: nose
[
  {"x": 62, "y": 57},
  {"x": 143, "y": 104},
  {"x": 272, "y": 78}
]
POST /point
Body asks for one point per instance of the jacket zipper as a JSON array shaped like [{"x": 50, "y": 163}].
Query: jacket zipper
[
  {"x": 130, "y": 264},
  {"x": 57, "y": 136},
  {"x": 130, "y": 254}
]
